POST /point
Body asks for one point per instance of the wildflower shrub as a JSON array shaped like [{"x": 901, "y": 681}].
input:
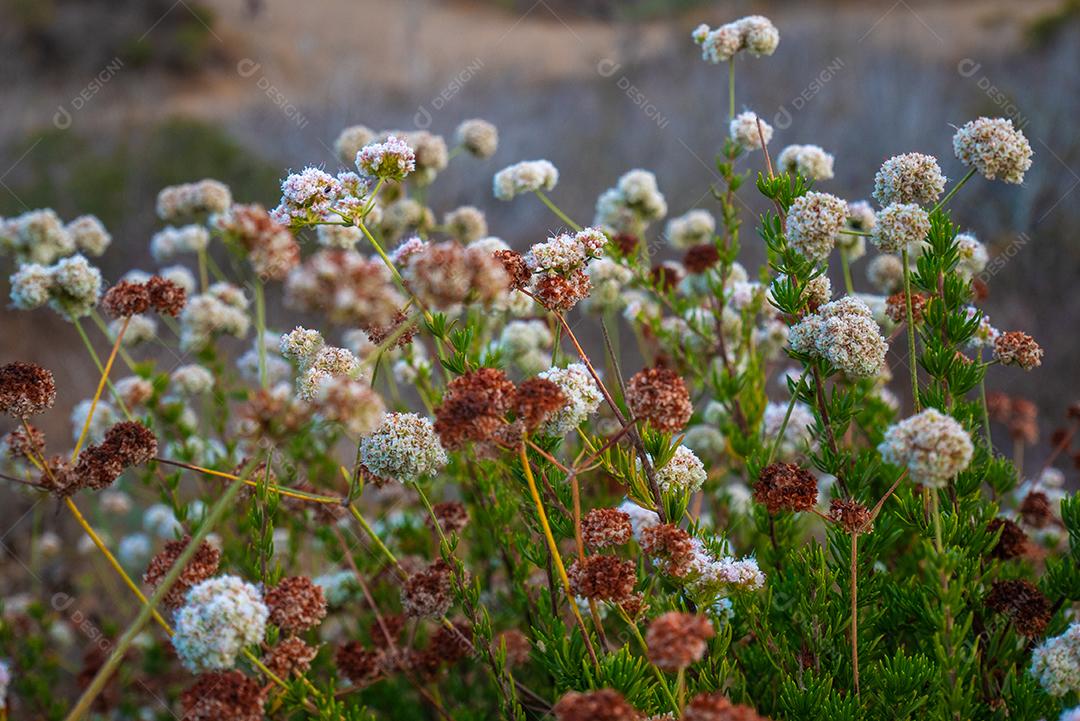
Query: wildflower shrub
[{"x": 458, "y": 512}]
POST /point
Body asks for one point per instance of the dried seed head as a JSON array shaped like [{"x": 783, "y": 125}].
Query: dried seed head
[
  {"x": 473, "y": 407},
  {"x": 426, "y": 594},
  {"x": 1018, "y": 348},
  {"x": 786, "y": 487},
  {"x": 603, "y": 578},
  {"x": 379, "y": 334},
  {"x": 20, "y": 443},
  {"x": 358, "y": 664},
  {"x": 1023, "y": 603},
  {"x": 603, "y": 527},
  {"x": 98, "y": 466},
  {"x": 896, "y": 307},
  {"x": 850, "y": 515},
  {"x": 666, "y": 276},
  {"x": 602, "y": 705},
  {"x": 290, "y": 657},
  {"x": 1013, "y": 542},
  {"x": 1037, "y": 510},
  {"x": 200, "y": 567},
  {"x": 133, "y": 442},
  {"x": 518, "y": 646},
  {"x": 385, "y": 635},
  {"x": 516, "y": 268},
  {"x": 166, "y": 297},
  {"x": 296, "y": 604},
  {"x": 676, "y": 640},
  {"x": 126, "y": 299},
  {"x": 669, "y": 545},
  {"x": 223, "y": 696},
  {"x": 26, "y": 389},
  {"x": 560, "y": 294},
  {"x": 453, "y": 517},
  {"x": 699, "y": 258},
  {"x": 660, "y": 396},
  {"x": 536, "y": 400},
  {"x": 716, "y": 707}
]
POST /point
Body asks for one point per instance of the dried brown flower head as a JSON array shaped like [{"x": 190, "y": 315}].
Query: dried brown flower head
[
  {"x": 518, "y": 646},
  {"x": 474, "y": 407},
  {"x": 272, "y": 249},
  {"x": 603, "y": 705},
  {"x": 626, "y": 243},
  {"x": 1018, "y": 348},
  {"x": 561, "y": 294},
  {"x": 603, "y": 527},
  {"x": 448, "y": 646},
  {"x": 671, "y": 546},
  {"x": 25, "y": 443},
  {"x": 699, "y": 258},
  {"x": 536, "y": 400},
  {"x": 717, "y": 707},
  {"x": 603, "y": 578},
  {"x": 1023, "y": 603},
  {"x": 166, "y": 297},
  {"x": 452, "y": 515},
  {"x": 1036, "y": 510},
  {"x": 896, "y": 307},
  {"x": 133, "y": 443},
  {"x": 292, "y": 656},
  {"x": 675, "y": 640},
  {"x": 426, "y": 594},
  {"x": 516, "y": 268},
  {"x": 126, "y": 299},
  {"x": 98, "y": 466},
  {"x": 385, "y": 634},
  {"x": 665, "y": 276},
  {"x": 26, "y": 389},
  {"x": 379, "y": 334},
  {"x": 223, "y": 696},
  {"x": 1013, "y": 542},
  {"x": 200, "y": 567},
  {"x": 850, "y": 515},
  {"x": 59, "y": 476},
  {"x": 296, "y": 604},
  {"x": 786, "y": 487},
  {"x": 358, "y": 664},
  {"x": 660, "y": 396}
]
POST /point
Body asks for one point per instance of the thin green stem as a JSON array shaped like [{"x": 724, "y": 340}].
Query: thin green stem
[
  {"x": 952, "y": 192},
  {"x": 985, "y": 410},
  {"x": 731, "y": 89},
  {"x": 913, "y": 364},
  {"x": 845, "y": 263},
  {"x": 204, "y": 275},
  {"x": 101, "y": 368},
  {"x": 556, "y": 210},
  {"x": 783, "y": 425},
  {"x": 260, "y": 332}
]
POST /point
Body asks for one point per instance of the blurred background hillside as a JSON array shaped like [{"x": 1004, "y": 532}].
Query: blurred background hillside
[{"x": 106, "y": 101}]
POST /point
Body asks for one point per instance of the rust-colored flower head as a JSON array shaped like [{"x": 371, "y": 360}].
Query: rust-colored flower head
[
  {"x": 634, "y": 605},
  {"x": 22, "y": 444},
  {"x": 1013, "y": 542},
  {"x": 296, "y": 604},
  {"x": 426, "y": 594},
  {"x": 676, "y": 640},
  {"x": 561, "y": 294},
  {"x": 699, "y": 258},
  {"x": 786, "y": 487},
  {"x": 999, "y": 406},
  {"x": 1036, "y": 510},
  {"x": 134, "y": 443},
  {"x": 59, "y": 476},
  {"x": 1023, "y": 603},
  {"x": 386, "y": 634},
  {"x": 449, "y": 646},
  {"x": 223, "y": 696},
  {"x": 452, "y": 515},
  {"x": 292, "y": 656},
  {"x": 516, "y": 268},
  {"x": 166, "y": 297},
  {"x": 474, "y": 407},
  {"x": 626, "y": 243},
  {"x": 26, "y": 389},
  {"x": 200, "y": 567},
  {"x": 536, "y": 400},
  {"x": 660, "y": 396},
  {"x": 670, "y": 546},
  {"x": 379, "y": 334},
  {"x": 665, "y": 276},
  {"x": 603, "y": 527},
  {"x": 358, "y": 664},
  {"x": 850, "y": 515},
  {"x": 896, "y": 307},
  {"x": 717, "y": 707},
  {"x": 1019, "y": 349},
  {"x": 603, "y": 705},
  {"x": 603, "y": 578},
  {"x": 98, "y": 466},
  {"x": 518, "y": 646},
  {"x": 126, "y": 299}
]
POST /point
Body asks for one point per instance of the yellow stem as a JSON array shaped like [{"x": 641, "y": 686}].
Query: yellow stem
[{"x": 100, "y": 388}]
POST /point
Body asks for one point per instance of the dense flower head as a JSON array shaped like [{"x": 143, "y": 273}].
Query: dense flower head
[
  {"x": 26, "y": 389},
  {"x": 602, "y": 578},
  {"x": 660, "y": 396},
  {"x": 272, "y": 250},
  {"x": 933, "y": 447},
  {"x": 684, "y": 473},
  {"x": 307, "y": 196},
  {"x": 860, "y": 216},
  {"x": 167, "y": 295},
  {"x": 844, "y": 333},
  {"x": 427, "y": 593},
  {"x": 535, "y": 400},
  {"x": 604, "y": 527},
  {"x": 222, "y": 310},
  {"x": 676, "y": 640},
  {"x": 744, "y": 130},
  {"x": 36, "y": 236},
  {"x": 909, "y": 178},
  {"x": 452, "y": 516},
  {"x": 813, "y": 222},
  {"x": 201, "y": 566},
  {"x": 349, "y": 288},
  {"x": 900, "y": 226},
  {"x": 430, "y": 153},
  {"x": 525, "y": 177},
  {"x": 223, "y": 696},
  {"x": 886, "y": 273},
  {"x": 126, "y": 299},
  {"x": 446, "y": 275},
  {"x": 995, "y": 148},
  {"x": 220, "y": 617},
  {"x": 479, "y": 137},
  {"x": 466, "y": 223},
  {"x": 474, "y": 407},
  {"x": 786, "y": 487},
  {"x": 695, "y": 227},
  {"x": 583, "y": 397},
  {"x": 351, "y": 140},
  {"x": 89, "y": 234},
  {"x": 391, "y": 159},
  {"x": 404, "y": 448},
  {"x": 295, "y": 604},
  {"x": 1019, "y": 349},
  {"x": 75, "y": 287},
  {"x": 206, "y": 196},
  {"x": 171, "y": 241},
  {"x": 754, "y": 33},
  {"x": 1055, "y": 664},
  {"x": 973, "y": 255},
  {"x": 670, "y": 547},
  {"x": 602, "y": 705},
  {"x": 810, "y": 161},
  {"x": 850, "y": 515},
  {"x": 1022, "y": 603},
  {"x": 290, "y": 657},
  {"x": 717, "y": 707},
  {"x": 632, "y": 204}
]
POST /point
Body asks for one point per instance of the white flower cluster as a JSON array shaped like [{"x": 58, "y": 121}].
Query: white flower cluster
[
  {"x": 71, "y": 286},
  {"x": 170, "y": 242},
  {"x": 909, "y": 178},
  {"x": 583, "y": 397},
  {"x": 886, "y": 274},
  {"x": 351, "y": 140},
  {"x": 566, "y": 253},
  {"x": 798, "y": 435},
  {"x": 640, "y": 518},
  {"x": 755, "y": 34},
  {"x": 900, "y": 226},
  {"x": 684, "y": 473},
  {"x": 328, "y": 365},
  {"x": 1055, "y": 663},
  {"x": 466, "y": 223},
  {"x": 307, "y": 196},
  {"x": 607, "y": 278},
  {"x": 528, "y": 176},
  {"x": 525, "y": 343},
  {"x": 994, "y": 148},
  {"x": 810, "y": 161},
  {"x": 710, "y": 576},
  {"x": 192, "y": 380},
  {"x": 219, "y": 618},
  {"x": 694, "y": 227},
  {"x": 160, "y": 521},
  {"x": 479, "y": 137},
  {"x": 221, "y": 310},
  {"x": 134, "y": 550},
  {"x": 844, "y": 333},
  {"x": 744, "y": 130},
  {"x": 36, "y": 236},
  {"x": 391, "y": 159},
  {"x": 632, "y": 204},
  {"x": 933, "y": 447},
  {"x": 404, "y": 448},
  {"x": 973, "y": 255},
  {"x": 105, "y": 415},
  {"x": 813, "y": 222},
  {"x": 189, "y": 199}
]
